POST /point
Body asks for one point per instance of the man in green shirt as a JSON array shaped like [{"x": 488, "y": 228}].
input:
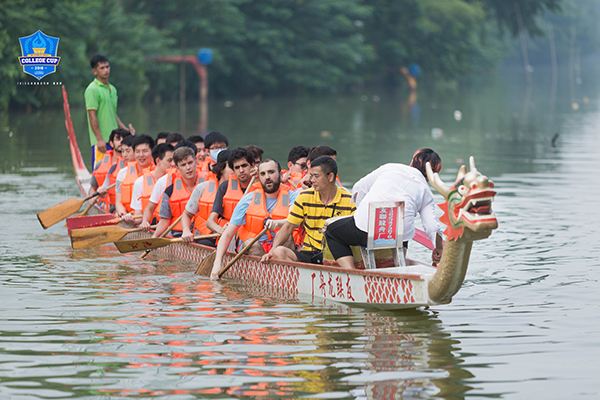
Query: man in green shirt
[{"x": 101, "y": 105}]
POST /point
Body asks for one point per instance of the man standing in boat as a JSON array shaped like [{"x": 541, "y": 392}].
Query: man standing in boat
[
  {"x": 311, "y": 209},
  {"x": 267, "y": 207},
  {"x": 390, "y": 182},
  {"x": 101, "y": 105}
]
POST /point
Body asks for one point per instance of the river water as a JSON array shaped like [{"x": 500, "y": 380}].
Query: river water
[{"x": 96, "y": 324}]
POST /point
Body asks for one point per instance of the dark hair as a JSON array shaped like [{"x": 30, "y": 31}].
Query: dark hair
[
  {"x": 186, "y": 143},
  {"x": 196, "y": 139},
  {"x": 326, "y": 163},
  {"x": 122, "y": 133},
  {"x": 222, "y": 160},
  {"x": 97, "y": 59},
  {"x": 297, "y": 152},
  {"x": 160, "y": 150},
  {"x": 128, "y": 140},
  {"x": 319, "y": 151},
  {"x": 266, "y": 160},
  {"x": 238, "y": 154},
  {"x": 162, "y": 135},
  {"x": 214, "y": 137},
  {"x": 142, "y": 139},
  {"x": 182, "y": 153},
  {"x": 174, "y": 137},
  {"x": 255, "y": 151},
  {"x": 423, "y": 156}
]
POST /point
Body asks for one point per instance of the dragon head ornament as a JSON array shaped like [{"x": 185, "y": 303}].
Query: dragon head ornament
[{"x": 468, "y": 207}]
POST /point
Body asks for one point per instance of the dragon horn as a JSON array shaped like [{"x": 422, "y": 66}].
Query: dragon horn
[
  {"x": 472, "y": 167},
  {"x": 462, "y": 171},
  {"x": 436, "y": 181}
]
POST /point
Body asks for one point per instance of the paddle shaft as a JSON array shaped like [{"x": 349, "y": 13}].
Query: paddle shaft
[
  {"x": 242, "y": 252},
  {"x": 165, "y": 233}
]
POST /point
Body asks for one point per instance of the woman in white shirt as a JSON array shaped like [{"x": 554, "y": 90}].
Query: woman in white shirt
[{"x": 390, "y": 182}]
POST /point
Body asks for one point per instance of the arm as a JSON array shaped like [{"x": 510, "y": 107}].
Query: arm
[
  {"x": 224, "y": 242},
  {"x": 281, "y": 237},
  {"x": 148, "y": 212},
  {"x": 119, "y": 207},
  {"x": 162, "y": 225},
  {"x": 213, "y": 225},
  {"x": 100, "y": 143},
  {"x": 165, "y": 214},
  {"x": 186, "y": 224},
  {"x": 129, "y": 127}
]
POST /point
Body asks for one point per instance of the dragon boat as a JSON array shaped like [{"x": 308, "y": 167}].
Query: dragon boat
[{"x": 467, "y": 215}]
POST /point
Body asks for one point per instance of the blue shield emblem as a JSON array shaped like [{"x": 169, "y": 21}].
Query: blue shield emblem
[{"x": 38, "y": 54}]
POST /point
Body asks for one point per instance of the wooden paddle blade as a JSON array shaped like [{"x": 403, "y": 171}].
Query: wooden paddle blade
[
  {"x": 89, "y": 221},
  {"x": 89, "y": 237},
  {"x": 127, "y": 246},
  {"x": 205, "y": 266},
  {"x": 60, "y": 211}
]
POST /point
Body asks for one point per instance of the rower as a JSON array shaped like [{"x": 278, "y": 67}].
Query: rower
[
  {"x": 177, "y": 194},
  {"x": 230, "y": 192},
  {"x": 162, "y": 155},
  {"x": 312, "y": 208},
  {"x": 200, "y": 204},
  {"x": 161, "y": 138},
  {"x": 390, "y": 182},
  {"x": 155, "y": 200},
  {"x": 127, "y": 156},
  {"x": 201, "y": 150},
  {"x": 296, "y": 166},
  {"x": 112, "y": 156},
  {"x": 142, "y": 149},
  {"x": 174, "y": 138},
  {"x": 264, "y": 207},
  {"x": 215, "y": 142}
]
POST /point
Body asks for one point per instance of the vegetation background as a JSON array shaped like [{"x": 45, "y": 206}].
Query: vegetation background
[{"x": 289, "y": 47}]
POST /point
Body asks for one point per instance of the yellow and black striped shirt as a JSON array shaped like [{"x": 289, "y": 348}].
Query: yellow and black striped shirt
[{"x": 309, "y": 210}]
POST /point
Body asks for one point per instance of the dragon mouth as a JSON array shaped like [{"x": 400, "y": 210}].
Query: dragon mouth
[{"x": 478, "y": 207}]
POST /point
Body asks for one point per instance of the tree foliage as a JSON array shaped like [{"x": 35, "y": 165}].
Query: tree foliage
[{"x": 260, "y": 47}]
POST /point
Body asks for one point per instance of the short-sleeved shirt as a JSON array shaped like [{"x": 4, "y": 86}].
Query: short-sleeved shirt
[
  {"x": 136, "y": 194},
  {"x": 102, "y": 98},
  {"x": 120, "y": 178},
  {"x": 218, "y": 204},
  {"x": 192, "y": 205},
  {"x": 159, "y": 188},
  {"x": 309, "y": 210}
]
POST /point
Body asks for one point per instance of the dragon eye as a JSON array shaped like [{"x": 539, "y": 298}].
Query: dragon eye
[{"x": 462, "y": 189}]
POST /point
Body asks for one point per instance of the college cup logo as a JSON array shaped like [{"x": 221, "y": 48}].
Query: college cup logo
[{"x": 38, "y": 57}]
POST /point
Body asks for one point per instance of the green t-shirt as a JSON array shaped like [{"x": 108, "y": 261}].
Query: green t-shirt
[{"x": 102, "y": 98}]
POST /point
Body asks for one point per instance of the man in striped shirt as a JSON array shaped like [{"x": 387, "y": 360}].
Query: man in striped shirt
[{"x": 311, "y": 209}]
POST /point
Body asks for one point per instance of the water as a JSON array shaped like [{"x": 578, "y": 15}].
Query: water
[{"x": 96, "y": 324}]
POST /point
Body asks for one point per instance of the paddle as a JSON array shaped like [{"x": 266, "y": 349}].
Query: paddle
[
  {"x": 88, "y": 237},
  {"x": 127, "y": 246},
  {"x": 60, "y": 211},
  {"x": 205, "y": 266},
  {"x": 87, "y": 209},
  {"x": 421, "y": 238},
  {"x": 241, "y": 253},
  {"x": 89, "y": 221},
  {"x": 164, "y": 233}
]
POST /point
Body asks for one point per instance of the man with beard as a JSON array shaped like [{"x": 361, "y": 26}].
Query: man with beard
[{"x": 265, "y": 207}]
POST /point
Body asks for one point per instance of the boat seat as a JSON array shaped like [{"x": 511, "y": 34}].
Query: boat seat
[{"x": 384, "y": 237}]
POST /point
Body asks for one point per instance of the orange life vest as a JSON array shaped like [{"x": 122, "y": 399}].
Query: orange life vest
[
  {"x": 179, "y": 198},
  {"x": 101, "y": 168},
  {"x": 133, "y": 171},
  {"x": 205, "y": 204},
  {"x": 232, "y": 196},
  {"x": 110, "y": 199},
  {"x": 148, "y": 182},
  {"x": 257, "y": 212}
]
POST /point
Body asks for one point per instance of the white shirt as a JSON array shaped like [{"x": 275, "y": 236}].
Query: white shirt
[
  {"x": 397, "y": 182},
  {"x": 136, "y": 194},
  {"x": 159, "y": 189}
]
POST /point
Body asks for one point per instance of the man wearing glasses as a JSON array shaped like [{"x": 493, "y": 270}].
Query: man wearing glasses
[{"x": 297, "y": 166}]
